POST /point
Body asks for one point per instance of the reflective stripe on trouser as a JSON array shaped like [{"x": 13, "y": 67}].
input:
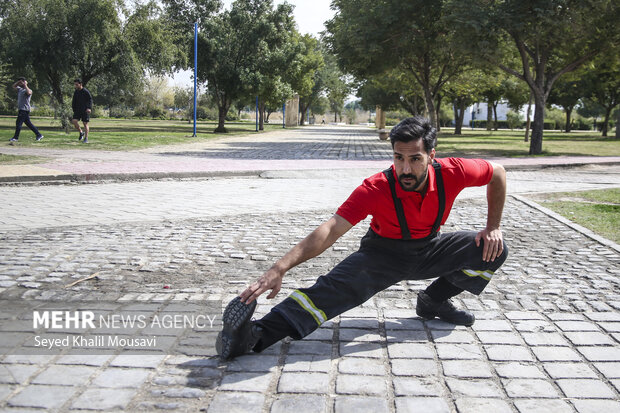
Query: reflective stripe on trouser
[{"x": 380, "y": 263}]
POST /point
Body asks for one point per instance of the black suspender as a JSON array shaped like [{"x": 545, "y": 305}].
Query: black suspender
[{"x": 400, "y": 212}]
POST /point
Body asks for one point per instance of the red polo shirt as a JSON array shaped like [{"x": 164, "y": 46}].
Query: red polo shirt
[{"x": 373, "y": 197}]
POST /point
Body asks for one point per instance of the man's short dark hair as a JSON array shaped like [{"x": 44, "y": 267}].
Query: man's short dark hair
[
  {"x": 21, "y": 78},
  {"x": 78, "y": 80},
  {"x": 415, "y": 128}
]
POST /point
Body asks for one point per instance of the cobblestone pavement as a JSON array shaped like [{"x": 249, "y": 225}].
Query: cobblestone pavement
[{"x": 546, "y": 337}]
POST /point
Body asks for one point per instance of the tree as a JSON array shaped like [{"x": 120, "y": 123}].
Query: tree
[
  {"x": 389, "y": 90},
  {"x": 336, "y": 86},
  {"x": 602, "y": 83},
  {"x": 537, "y": 41},
  {"x": 370, "y": 36},
  {"x": 59, "y": 40},
  {"x": 304, "y": 74},
  {"x": 464, "y": 90},
  {"x": 230, "y": 45},
  {"x": 566, "y": 93}
]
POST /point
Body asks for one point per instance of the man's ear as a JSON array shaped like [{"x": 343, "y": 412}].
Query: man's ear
[{"x": 431, "y": 156}]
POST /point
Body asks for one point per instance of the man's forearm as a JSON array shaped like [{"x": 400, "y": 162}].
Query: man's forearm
[
  {"x": 496, "y": 196},
  {"x": 314, "y": 244}
]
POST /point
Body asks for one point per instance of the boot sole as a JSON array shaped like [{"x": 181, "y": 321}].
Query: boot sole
[{"x": 235, "y": 316}]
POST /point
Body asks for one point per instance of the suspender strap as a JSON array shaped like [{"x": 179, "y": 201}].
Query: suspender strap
[
  {"x": 442, "y": 196},
  {"x": 400, "y": 212}
]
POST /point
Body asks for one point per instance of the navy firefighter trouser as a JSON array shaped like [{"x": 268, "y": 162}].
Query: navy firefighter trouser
[{"x": 381, "y": 262}]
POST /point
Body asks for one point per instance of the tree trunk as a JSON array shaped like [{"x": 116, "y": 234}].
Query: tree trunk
[
  {"x": 618, "y": 126},
  {"x": 538, "y": 125},
  {"x": 335, "y": 117},
  {"x": 438, "y": 112},
  {"x": 457, "y": 127},
  {"x": 222, "y": 111},
  {"x": 567, "y": 127},
  {"x": 302, "y": 109},
  {"x": 528, "y": 121},
  {"x": 496, "y": 124},
  {"x": 261, "y": 115},
  {"x": 606, "y": 120},
  {"x": 489, "y": 114},
  {"x": 429, "y": 104}
]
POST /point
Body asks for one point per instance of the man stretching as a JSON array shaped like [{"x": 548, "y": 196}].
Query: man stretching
[{"x": 408, "y": 202}]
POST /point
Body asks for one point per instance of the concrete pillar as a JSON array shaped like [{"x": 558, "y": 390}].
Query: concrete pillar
[{"x": 292, "y": 111}]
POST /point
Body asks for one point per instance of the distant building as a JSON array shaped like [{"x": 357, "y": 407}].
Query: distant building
[{"x": 479, "y": 112}]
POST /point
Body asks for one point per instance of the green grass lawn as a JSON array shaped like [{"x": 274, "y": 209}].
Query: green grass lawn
[
  {"x": 510, "y": 143},
  {"x": 597, "y": 210},
  {"x": 122, "y": 134}
]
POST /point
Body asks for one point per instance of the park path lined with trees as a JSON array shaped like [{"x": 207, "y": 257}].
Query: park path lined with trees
[{"x": 417, "y": 56}]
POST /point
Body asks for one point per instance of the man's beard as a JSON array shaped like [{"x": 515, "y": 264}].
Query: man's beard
[{"x": 417, "y": 181}]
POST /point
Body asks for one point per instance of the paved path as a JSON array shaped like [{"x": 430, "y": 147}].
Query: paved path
[{"x": 546, "y": 340}]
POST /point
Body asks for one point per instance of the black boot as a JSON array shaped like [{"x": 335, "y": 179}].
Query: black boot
[
  {"x": 239, "y": 333},
  {"x": 428, "y": 308}
]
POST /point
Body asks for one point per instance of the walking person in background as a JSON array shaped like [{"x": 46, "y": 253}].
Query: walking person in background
[
  {"x": 82, "y": 105},
  {"x": 24, "y": 93}
]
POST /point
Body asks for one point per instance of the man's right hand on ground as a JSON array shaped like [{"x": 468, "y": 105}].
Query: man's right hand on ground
[{"x": 271, "y": 280}]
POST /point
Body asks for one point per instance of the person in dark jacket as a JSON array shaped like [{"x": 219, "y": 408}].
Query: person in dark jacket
[{"x": 82, "y": 105}]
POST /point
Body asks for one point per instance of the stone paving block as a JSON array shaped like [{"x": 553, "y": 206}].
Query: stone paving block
[
  {"x": 508, "y": 353},
  {"x": 603, "y": 316},
  {"x": 518, "y": 370},
  {"x": 473, "y": 388},
  {"x": 499, "y": 337},
  {"x": 361, "y": 323},
  {"x": 139, "y": 360},
  {"x": 64, "y": 375},
  {"x": 347, "y": 404},
  {"x": 586, "y": 389},
  {"x": 533, "y": 326},
  {"x": 477, "y": 405},
  {"x": 178, "y": 393},
  {"x": 576, "y": 326},
  {"x": 421, "y": 404},
  {"x": 361, "y": 349},
  {"x": 253, "y": 362},
  {"x": 355, "y": 334},
  {"x": 121, "y": 378},
  {"x": 404, "y": 324},
  {"x": 43, "y": 397},
  {"x": 413, "y": 336},
  {"x": 529, "y": 388},
  {"x": 555, "y": 354},
  {"x": 597, "y": 406},
  {"x": 425, "y": 386},
  {"x": 321, "y": 334},
  {"x": 543, "y": 406},
  {"x": 569, "y": 370},
  {"x": 308, "y": 363},
  {"x": 252, "y": 382},
  {"x": 600, "y": 353},
  {"x": 104, "y": 399},
  {"x": 443, "y": 336},
  {"x": 589, "y": 338},
  {"x": 86, "y": 360},
  {"x": 16, "y": 373},
  {"x": 544, "y": 339},
  {"x": 310, "y": 347},
  {"x": 459, "y": 352},
  {"x": 5, "y": 390},
  {"x": 304, "y": 383},
  {"x": 414, "y": 367},
  {"x": 356, "y": 365},
  {"x": 523, "y": 315},
  {"x": 492, "y": 325},
  {"x": 299, "y": 403},
  {"x": 610, "y": 327},
  {"x": 410, "y": 350},
  {"x": 437, "y": 324},
  {"x": 611, "y": 370},
  {"x": 466, "y": 368},
  {"x": 226, "y": 402},
  {"x": 360, "y": 384},
  {"x": 616, "y": 384}
]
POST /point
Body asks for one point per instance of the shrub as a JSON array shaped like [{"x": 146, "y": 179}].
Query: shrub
[{"x": 514, "y": 120}]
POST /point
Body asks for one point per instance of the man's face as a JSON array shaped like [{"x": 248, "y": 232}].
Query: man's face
[
  {"x": 77, "y": 85},
  {"x": 411, "y": 164}
]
